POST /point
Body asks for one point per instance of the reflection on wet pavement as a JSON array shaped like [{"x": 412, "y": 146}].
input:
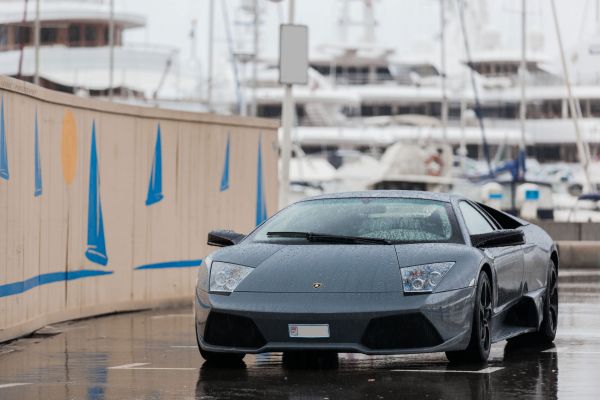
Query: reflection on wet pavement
[{"x": 152, "y": 355}]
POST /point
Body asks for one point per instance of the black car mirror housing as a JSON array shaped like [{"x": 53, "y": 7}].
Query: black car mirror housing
[{"x": 224, "y": 238}]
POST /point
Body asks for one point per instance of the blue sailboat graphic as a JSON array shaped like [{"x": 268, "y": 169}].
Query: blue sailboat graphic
[
  {"x": 261, "y": 205},
  {"x": 155, "y": 185},
  {"x": 3, "y": 157},
  {"x": 37, "y": 165},
  {"x": 96, "y": 245},
  {"x": 225, "y": 176}
]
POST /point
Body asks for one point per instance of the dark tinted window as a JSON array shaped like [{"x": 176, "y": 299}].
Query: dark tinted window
[
  {"x": 3, "y": 35},
  {"x": 48, "y": 35},
  {"x": 90, "y": 33},
  {"x": 74, "y": 34},
  {"x": 22, "y": 35}
]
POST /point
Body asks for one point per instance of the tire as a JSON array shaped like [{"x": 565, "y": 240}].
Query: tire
[
  {"x": 547, "y": 331},
  {"x": 480, "y": 343},
  {"x": 216, "y": 358}
]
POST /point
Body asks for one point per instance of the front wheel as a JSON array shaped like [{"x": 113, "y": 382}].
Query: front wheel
[{"x": 479, "y": 346}]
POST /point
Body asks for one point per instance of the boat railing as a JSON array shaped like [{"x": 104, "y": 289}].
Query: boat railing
[{"x": 362, "y": 78}]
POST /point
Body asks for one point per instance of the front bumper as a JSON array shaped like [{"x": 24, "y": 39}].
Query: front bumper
[{"x": 369, "y": 323}]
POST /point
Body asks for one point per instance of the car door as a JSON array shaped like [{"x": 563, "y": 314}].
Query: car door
[{"x": 507, "y": 260}]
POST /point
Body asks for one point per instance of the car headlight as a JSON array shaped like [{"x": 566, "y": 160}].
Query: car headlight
[
  {"x": 225, "y": 277},
  {"x": 424, "y": 278}
]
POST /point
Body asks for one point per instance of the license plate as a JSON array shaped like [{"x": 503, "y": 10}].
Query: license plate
[{"x": 308, "y": 330}]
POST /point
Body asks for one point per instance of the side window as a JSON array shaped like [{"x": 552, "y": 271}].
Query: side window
[{"x": 476, "y": 223}]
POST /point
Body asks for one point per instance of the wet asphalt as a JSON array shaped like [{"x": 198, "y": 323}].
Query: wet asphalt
[{"x": 153, "y": 355}]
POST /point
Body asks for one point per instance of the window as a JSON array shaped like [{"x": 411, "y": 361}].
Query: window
[
  {"x": 74, "y": 34},
  {"x": 22, "y": 35},
  {"x": 3, "y": 35},
  {"x": 475, "y": 221},
  {"x": 90, "y": 33},
  {"x": 48, "y": 35},
  {"x": 399, "y": 220},
  {"x": 504, "y": 220}
]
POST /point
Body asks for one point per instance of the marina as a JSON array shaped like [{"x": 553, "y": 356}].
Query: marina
[{"x": 299, "y": 199}]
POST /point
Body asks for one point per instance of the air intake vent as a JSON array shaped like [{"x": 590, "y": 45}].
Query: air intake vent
[
  {"x": 232, "y": 331},
  {"x": 405, "y": 331}
]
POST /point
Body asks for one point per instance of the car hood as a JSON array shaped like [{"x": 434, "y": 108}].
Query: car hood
[{"x": 334, "y": 268}]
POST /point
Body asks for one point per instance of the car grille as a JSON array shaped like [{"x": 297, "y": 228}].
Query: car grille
[
  {"x": 232, "y": 331},
  {"x": 405, "y": 331}
]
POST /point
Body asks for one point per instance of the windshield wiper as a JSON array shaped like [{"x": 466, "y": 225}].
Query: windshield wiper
[{"x": 324, "y": 237}]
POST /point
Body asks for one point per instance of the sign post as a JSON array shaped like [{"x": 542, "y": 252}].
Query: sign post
[{"x": 293, "y": 69}]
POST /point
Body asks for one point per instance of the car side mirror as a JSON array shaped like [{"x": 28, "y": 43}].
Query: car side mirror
[
  {"x": 499, "y": 238},
  {"x": 224, "y": 238}
]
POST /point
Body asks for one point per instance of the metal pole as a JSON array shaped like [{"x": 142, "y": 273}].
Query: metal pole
[
  {"x": 523, "y": 71},
  {"x": 583, "y": 157},
  {"x": 253, "y": 110},
  {"x": 478, "y": 110},
  {"x": 111, "y": 51},
  {"x": 598, "y": 16},
  {"x": 36, "y": 40},
  {"x": 444, "y": 110},
  {"x": 522, "y": 108},
  {"x": 209, "y": 84},
  {"x": 286, "y": 143}
]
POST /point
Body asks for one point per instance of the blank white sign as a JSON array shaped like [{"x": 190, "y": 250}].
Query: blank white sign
[{"x": 293, "y": 54}]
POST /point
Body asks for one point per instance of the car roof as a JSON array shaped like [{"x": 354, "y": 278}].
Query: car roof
[{"x": 401, "y": 194}]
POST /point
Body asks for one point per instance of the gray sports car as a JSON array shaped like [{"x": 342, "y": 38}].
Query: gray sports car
[{"x": 379, "y": 272}]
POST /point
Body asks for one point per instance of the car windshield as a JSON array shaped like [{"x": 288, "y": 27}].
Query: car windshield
[{"x": 393, "y": 220}]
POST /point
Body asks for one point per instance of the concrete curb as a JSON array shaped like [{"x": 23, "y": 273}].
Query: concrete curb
[{"x": 579, "y": 254}]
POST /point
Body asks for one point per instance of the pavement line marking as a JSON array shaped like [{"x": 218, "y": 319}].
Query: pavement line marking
[
  {"x": 161, "y": 369},
  {"x": 141, "y": 366},
  {"x": 567, "y": 350},
  {"x": 488, "y": 370},
  {"x": 7, "y": 385},
  {"x": 577, "y": 352},
  {"x": 128, "y": 366},
  {"x": 555, "y": 350},
  {"x": 172, "y": 316}
]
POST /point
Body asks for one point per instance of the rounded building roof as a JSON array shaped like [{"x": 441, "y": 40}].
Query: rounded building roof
[{"x": 68, "y": 10}]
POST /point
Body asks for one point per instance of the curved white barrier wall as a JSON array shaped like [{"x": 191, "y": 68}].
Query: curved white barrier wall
[{"x": 106, "y": 207}]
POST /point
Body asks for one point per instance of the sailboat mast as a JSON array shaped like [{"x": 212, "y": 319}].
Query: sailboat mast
[
  {"x": 523, "y": 71},
  {"x": 478, "y": 109},
  {"x": 598, "y": 16},
  {"x": 583, "y": 155},
  {"x": 36, "y": 40},
  {"x": 444, "y": 110},
  {"x": 111, "y": 49}
]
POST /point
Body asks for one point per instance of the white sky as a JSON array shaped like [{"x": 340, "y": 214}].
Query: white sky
[{"x": 403, "y": 24}]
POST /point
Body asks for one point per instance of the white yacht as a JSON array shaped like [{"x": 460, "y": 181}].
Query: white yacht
[
  {"x": 365, "y": 97},
  {"x": 360, "y": 93},
  {"x": 74, "y": 54}
]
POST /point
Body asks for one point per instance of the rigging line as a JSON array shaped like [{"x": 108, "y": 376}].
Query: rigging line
[
  {"x": 238, "y": 91},
  {"x": 478, "y": 111}
]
